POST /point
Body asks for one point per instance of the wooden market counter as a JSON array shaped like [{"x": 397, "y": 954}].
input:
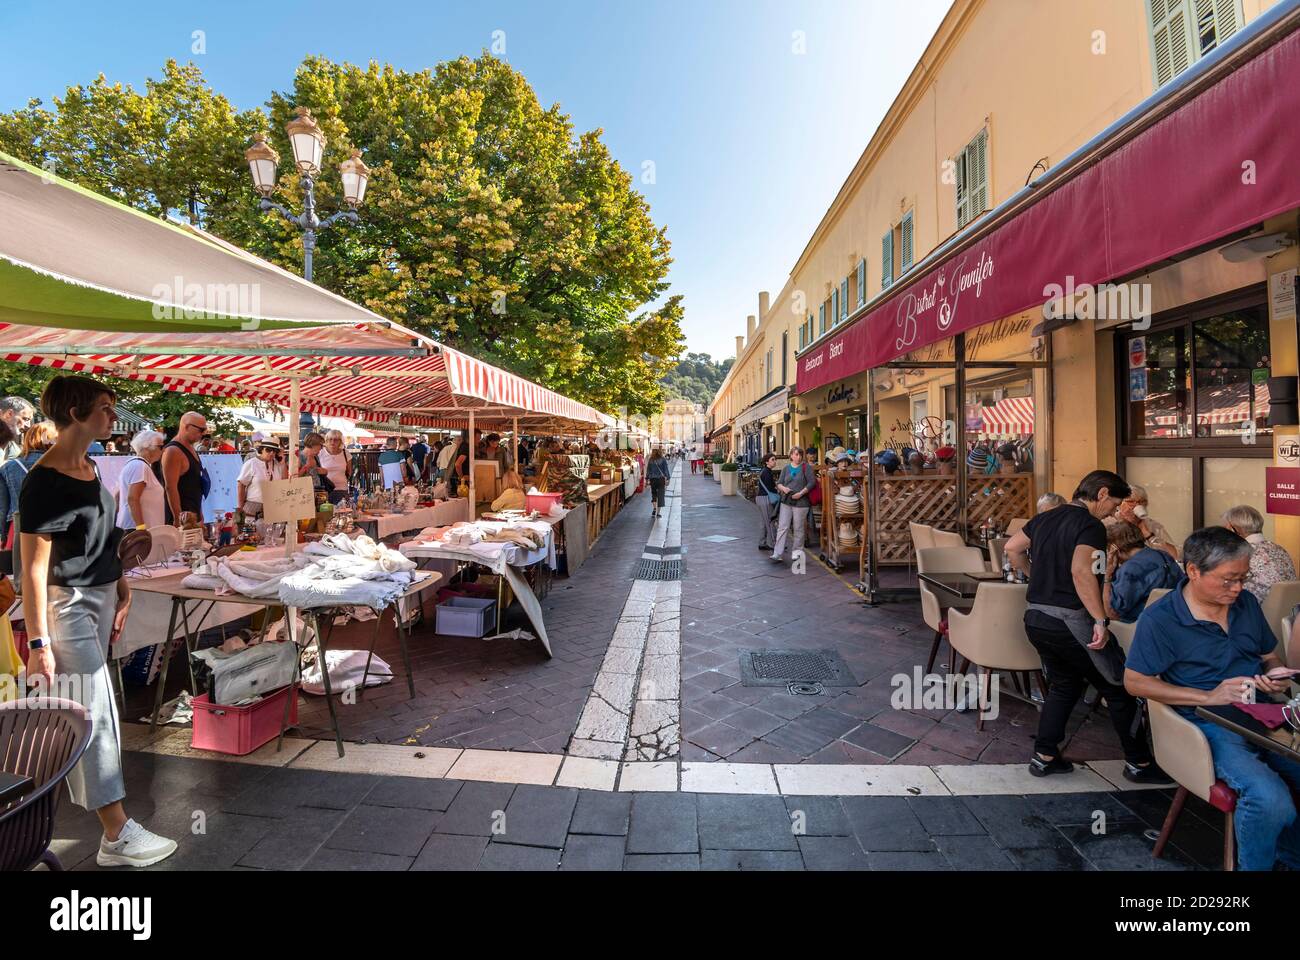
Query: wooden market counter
[{"x": 603, "y": 502}]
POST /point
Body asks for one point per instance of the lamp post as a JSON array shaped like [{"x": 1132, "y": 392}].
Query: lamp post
[{"x": 308, "y": 143}]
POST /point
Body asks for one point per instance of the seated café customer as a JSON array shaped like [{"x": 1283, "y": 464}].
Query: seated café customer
[
  {"x": 1065, "y": 621},
  {"x": 76, "y": 602},
  {"x": 1133, "y": 570},
  {"x": 1269, "y": 562},
  {"x": 1205, "y": 644},
  {"x": 512, "y": 496},
  {"x": 1134, "y": 510},
  {"x": 1050, "y": 501}
]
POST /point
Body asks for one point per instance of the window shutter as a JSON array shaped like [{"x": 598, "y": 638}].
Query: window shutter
[
  {"x": 810, "y": 328},
  {"x": 821, "y": 319},
  {"x": 844, "y": 299},
  {"x": 862, "y": 282},
  {"x": 1171, "y": 37},
  {"x": 887, "y": 260},
  {"x": 979, "y": 194},
  {"x": 835, "y": 306},
  {"x": 906, "y": 252}
]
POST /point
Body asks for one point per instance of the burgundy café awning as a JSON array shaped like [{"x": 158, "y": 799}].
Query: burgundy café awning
[{"x": 1182, "y": 182}]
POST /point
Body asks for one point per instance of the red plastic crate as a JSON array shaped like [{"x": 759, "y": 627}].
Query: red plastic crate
[{"x": 241, "y": 730}]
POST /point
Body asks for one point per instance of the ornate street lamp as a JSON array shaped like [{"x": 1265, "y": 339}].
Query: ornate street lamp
[{"x": 308, "y": 143}]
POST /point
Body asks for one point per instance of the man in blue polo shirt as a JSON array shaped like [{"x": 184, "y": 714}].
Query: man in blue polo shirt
[{"x": 1207, "y": 643}]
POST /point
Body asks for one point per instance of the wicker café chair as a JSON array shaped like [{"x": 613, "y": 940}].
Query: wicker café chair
[{"x": 41, "y": 738}]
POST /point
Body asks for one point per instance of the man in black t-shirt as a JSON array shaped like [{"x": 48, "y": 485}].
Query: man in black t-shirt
[{"x": 1066, "y": 622}]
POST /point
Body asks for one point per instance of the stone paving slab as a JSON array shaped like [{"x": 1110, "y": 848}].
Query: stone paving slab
[{"x": 322, "y": 820}]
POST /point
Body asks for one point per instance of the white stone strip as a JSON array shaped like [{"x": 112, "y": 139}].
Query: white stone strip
[
  {"x": 796, "y": 779},
  {"x": 634, "y": 709}
]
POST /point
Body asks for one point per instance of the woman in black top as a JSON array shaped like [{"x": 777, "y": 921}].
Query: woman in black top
[
  {"x": 1066, "y": 622},
  {"x": 768, "y": 501},
  {"x": 76, "y": 602}
]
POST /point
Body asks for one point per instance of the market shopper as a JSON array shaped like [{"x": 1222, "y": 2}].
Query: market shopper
[
  {"x": 309, "y": 464},
  {"x": 181, "y": 472},
  {"x": 768, "y": 502},
  {"x": 336, "y": 463},
  {"x": 658, "y": 473},
  {"x": 419, "y": 454},
  {"x": 1133, "y": 570},
  {"x": 250, "y": 495},
  {"x": 1049, "y": 501},
  {"x": 1207, "y": 643},
  {"x": 17, "y": 414},
  {"x": 36, "y": 439},
  {"x": 76, "y": 601},
  {"x": 1269, "y": 562},
  {"x": 512, "y": 494},
  {"x": 141, "y": 501},
  {"x": 1066, "y": 623},
  {"x": 794, "y": 484}
]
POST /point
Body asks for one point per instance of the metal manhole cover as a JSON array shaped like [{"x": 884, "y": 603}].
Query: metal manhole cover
[
  {"x": 779, "y": 668},
  {"x": 659, "y": 570}
]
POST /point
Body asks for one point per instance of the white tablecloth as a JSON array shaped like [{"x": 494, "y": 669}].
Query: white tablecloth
[{"x": 146, "y": 624}]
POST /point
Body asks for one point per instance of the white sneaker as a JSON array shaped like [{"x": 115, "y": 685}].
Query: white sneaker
[{"x": 134, "y": 847}]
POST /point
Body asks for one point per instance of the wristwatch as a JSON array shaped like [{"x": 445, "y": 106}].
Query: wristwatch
[{"x": 38, "y": 643}]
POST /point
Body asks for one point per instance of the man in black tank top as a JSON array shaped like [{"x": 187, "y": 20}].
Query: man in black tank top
[{"x": 182, "y": 473}]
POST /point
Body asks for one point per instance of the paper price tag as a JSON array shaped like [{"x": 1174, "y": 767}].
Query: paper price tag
[{"x": 287, "y": 501}]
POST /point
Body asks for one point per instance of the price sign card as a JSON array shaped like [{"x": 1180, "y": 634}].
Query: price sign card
[{"x": 287, "y": 501}]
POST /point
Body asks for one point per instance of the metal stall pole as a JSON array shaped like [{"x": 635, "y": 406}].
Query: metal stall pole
[
  {"x": 514, "y": 446},
  {"x": 473, "y": 495},
  {"x": 959, "y": 351},
  {"x": 295, "y": 405}
]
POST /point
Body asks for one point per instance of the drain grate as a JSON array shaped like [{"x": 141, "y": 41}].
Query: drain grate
[
  {"x": 660, "y": 569},
  {"x": 780, "y": 668}
]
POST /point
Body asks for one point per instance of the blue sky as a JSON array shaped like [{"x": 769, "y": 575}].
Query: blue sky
[{"x": 750, "y": 140}]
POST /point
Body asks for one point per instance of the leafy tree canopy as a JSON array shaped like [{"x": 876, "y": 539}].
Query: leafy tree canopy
[
  {"x": 696, "y": 378},
  {"x": 489, "y": 223}
]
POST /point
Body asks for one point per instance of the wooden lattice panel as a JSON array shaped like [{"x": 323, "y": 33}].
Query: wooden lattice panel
[{"x": 932, "y": 500}]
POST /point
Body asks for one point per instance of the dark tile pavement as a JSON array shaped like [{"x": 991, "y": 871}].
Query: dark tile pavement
[{"x": 340, "y": 821}]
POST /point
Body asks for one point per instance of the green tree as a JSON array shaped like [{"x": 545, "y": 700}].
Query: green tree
[
  {"x": 696, "y": 378},
  {"x": 489, "y": 222}
]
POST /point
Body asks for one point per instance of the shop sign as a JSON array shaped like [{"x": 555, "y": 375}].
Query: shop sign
[
  {"x": 925, "y": 434},
  {"x": 1137, "y": 353},
  {"x": 1001, "y": 340},
  {"x": 840, "y": 394},
  {"x": 1282, "y": 491},
  {"x": 1287, "y": 452},
  {"x": 1281, "y": 295}
]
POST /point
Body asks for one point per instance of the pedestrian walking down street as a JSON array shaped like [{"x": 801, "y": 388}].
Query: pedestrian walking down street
[
  {"x": 768, "y": 502},
  {"x": 1066, "y": 623},
  {"x": 794, "y": 484},
  {"x": 657, "y": 472},
  {"x": 76, "y": 602}
]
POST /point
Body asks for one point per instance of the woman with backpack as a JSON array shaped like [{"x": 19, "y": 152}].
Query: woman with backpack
[
  {"x": 795, "y": 485},
  {"x": 768, "y": 502}
]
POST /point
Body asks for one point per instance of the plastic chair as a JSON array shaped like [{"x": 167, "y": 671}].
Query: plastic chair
[
  {"x": 41, "y": 738},
  {"x": 1015, "y": 526},
  {"x": 948, "y": 539},
  {"x": 943, "y": 560},
  {"x": 1281, "y": 600},
  {"x": 992, "y": 636},
  {"x": 1183, "y": 752},
  {"x": 922, "y": 536}
]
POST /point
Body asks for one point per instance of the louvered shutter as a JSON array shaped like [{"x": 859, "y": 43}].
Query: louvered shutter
[
  {"x": 979, "y": 192},
  {"x": 835, "y": 306},
  {"x": 862, "y": 282},
  {"x": 810, "y": 328},
  {"x": 906, "y": 253},
  {"x": 1171, "y": 37},
  {"x": 844, "y": 299},
  {"x": 887, "y": 260},
  {"x": 821, "y": 319}
]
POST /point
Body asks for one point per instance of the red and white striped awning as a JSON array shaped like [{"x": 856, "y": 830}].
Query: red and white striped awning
[
  {"x": 1232, "y": 404},
  {"x": 1009, "y": 417},
  {"x": 419, "y": 381}
]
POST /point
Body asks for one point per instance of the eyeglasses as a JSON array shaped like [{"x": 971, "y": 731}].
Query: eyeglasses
[{"x": 1228, "y": 582}]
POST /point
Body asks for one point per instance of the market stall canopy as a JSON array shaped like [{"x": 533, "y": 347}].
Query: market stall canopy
[
  {"x": 75, "y": 260},
  {"x": 348, "y": 428},
  {"x": 91, "y": 285}
]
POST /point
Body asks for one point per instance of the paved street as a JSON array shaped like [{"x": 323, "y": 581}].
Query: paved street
[{"x": 506, "y": 760}]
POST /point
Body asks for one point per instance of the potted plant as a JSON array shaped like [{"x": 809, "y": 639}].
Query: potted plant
[
  {"x": 730, "y": 478},
  {"x": 718, "y": 460},
  {"x": 945, "y": 457}
]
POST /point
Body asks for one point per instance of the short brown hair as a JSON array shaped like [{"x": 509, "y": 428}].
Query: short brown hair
[
  {"x": 39, "y": 436},
  {"x": 1123, "y": 536},
  {"x": 313, "y": 439},
  {"x": 66, "y": 397}
]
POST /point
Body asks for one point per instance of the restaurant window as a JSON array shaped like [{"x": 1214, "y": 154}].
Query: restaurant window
[{"x": 1194, "y": 427}]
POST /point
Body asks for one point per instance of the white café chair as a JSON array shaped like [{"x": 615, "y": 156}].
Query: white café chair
[
  {"x": 946, "y": 538},
  {"x": 933, "y": 610},
  {"x": 1016, "y": 525},
  {"x": 1183, "y": 752},
  {"x": 992, "y": 636},
  {"x": 1124, "y": 632},
  {"x": 1281, "y": 600}
]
